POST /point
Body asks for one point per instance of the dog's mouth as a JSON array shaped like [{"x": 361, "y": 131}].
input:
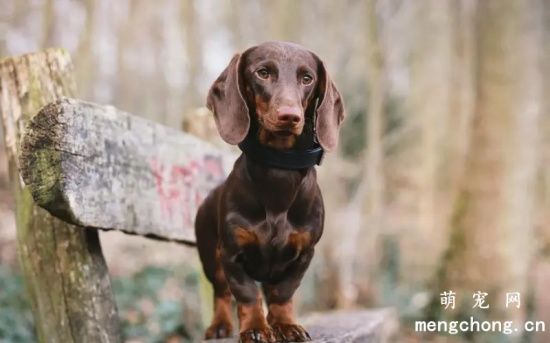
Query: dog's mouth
[
  {"x": 284, "y": 133},
  {"x": 278, "y": 139},
  {"x": 280, "y": 129},
  {"x": 277, "y": 135}
]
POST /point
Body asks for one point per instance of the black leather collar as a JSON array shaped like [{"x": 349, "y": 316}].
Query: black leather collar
[{"x": 289, "y": 159}]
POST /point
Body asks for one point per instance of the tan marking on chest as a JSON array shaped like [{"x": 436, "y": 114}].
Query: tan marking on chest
[{"x": 245, "y": 237}]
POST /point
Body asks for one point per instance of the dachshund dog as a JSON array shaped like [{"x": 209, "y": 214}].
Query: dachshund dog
[{"x": 278, "y": 103}]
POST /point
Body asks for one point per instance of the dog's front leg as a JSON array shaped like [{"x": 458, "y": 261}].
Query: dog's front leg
[
  {"x": 252, "y": 322},
  {"x": 279, "y": 300}
]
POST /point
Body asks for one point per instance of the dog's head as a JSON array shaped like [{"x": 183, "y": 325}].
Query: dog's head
[{"x": 278, "y": 85}]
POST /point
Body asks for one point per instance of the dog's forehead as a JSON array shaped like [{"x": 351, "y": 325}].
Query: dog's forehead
[{"x": 282, "y": 51}]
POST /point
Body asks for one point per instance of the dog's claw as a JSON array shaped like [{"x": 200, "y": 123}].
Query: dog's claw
[
  {"x": 291, "y": 333},
  {"x": 258, "y": 336},
  {"x": 307, "y": 335},
  {"x": 219, "y": 330}
]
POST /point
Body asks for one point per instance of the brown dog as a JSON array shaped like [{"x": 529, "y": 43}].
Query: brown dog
[{"x": 278, "y": 103}]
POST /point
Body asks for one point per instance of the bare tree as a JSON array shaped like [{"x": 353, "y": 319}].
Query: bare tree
[
  {"x": 371, "y": 193},
  {"x": 491, "y": 242},
  {"x": 84, "y": 55},
  {"x": 193, "y": 49},
  {"x": 285, "y": 19}
]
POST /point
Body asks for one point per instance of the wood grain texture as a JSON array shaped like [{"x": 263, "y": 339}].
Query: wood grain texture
[
  {"x": 361, "y": 326},
  {"x": 98, "y": 167},
  {"x": 62, "y": 264}
]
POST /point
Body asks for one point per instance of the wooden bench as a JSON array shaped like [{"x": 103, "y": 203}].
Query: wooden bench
[
  {"x": 98, "y": 167},
  {"x": 95, "y": 167}
]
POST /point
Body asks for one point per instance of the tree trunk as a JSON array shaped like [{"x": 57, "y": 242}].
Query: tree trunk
[
  {"x": 370, "y": 196},
  {"x": 63, "y": 267},
  {"x": 430, "y": 63},
  {"x": 193, "y": 51},
  {"x": 544, "y": 193},
  {"x": 541, "y": 274},
  {"x": 491, "y": 243},
  {"x": 285, "y": 19},
  {"x": 86, "y": 74},
  {"x": 233, "y": 20}
]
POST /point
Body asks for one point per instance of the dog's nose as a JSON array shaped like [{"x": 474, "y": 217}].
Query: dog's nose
[{"x": 289, "y": 114}]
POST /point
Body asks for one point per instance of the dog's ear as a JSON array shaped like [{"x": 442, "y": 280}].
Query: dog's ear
[
  {"x": 226, "y": 101},
  {"x": 330, "y": 111}
]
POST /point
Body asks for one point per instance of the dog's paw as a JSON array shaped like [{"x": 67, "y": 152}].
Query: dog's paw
[
  {"x": 219, "y": 330},
  {"x": 291, "y": 333},
  {"x": 258, "y": 336}
]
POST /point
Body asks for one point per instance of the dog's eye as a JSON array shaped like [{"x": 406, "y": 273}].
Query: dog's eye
[
  {"x": 307, "y": 79},
  {"x": 262, "y": 73}
]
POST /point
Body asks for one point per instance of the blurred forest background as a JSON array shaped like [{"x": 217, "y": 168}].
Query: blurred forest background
[{"x": 442, "y": 180}]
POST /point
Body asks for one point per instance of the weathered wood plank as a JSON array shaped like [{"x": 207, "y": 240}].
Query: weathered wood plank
[
  {"x": 361, "y": 326},
  {"x": 99, "y": 167},
  {"x": 63, "y": 266}
]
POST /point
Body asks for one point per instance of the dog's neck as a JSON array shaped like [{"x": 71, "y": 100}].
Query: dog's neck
[
  {"x": 278, "y": 188},
  {"x": 289, "y": 159}
]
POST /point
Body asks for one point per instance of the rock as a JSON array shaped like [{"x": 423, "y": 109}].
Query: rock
[{"x": 360, "y": 326}]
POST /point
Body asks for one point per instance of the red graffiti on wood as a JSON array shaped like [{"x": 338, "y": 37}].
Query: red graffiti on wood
[{"x": 181, "y": 188}]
